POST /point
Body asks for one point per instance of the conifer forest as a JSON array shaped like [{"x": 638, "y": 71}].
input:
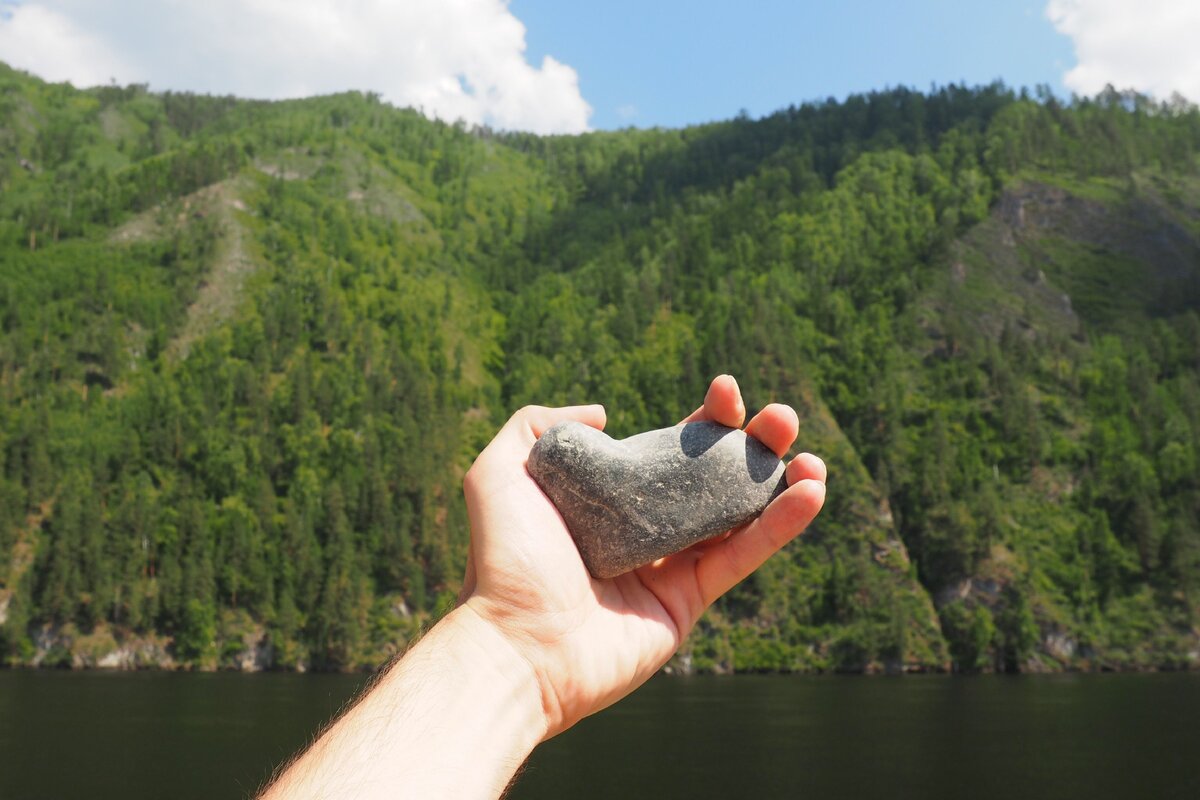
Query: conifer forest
[{"x": 248, "y": 350}]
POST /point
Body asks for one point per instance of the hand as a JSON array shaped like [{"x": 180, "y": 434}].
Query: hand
[
  {"x": 590, "y": 642},
  {"x": 537, "y": 643}
]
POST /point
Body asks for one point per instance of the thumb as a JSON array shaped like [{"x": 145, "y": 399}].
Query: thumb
[{"x": 527, "y": 426}]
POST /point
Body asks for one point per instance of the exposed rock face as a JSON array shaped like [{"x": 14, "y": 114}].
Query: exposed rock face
[
  {"x": 632, "y": 501},
  {"x": 137, "y": 654},
  {"x": 259, "y": 655}
]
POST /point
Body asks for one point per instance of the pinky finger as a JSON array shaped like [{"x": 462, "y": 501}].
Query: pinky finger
[{"x": 726, "y": 563}]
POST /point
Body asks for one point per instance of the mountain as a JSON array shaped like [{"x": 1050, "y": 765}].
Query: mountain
[{"x": 248, "y": 349}]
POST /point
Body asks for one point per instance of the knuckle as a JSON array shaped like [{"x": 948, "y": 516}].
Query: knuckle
[
  {"x": 529, "y": 411},
  {"x": 471, "y": 478}
]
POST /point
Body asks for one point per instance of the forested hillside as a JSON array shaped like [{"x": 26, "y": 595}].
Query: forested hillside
[{"x": 248, "y": 349}]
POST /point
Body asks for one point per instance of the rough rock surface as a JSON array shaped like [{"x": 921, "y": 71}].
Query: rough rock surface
[{"x": 632, "y": 501}]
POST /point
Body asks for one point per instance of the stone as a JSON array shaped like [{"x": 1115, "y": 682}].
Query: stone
[{"x": 629, "y": 502}]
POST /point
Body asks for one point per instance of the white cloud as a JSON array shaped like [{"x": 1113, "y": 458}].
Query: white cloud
[
  {"x": 37, "y": 35},
  {"x": 1148, "y": 45},
  {"x": 456, "y": 59}
]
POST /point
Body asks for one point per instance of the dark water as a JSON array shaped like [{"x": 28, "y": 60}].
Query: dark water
[{"x": 131, "y": 736}]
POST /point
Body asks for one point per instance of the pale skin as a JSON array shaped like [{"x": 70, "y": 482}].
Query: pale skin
[{"x": 536, "y": 643}]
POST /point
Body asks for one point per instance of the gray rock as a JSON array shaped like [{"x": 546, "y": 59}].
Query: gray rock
[{"x": 632, "y": 501}]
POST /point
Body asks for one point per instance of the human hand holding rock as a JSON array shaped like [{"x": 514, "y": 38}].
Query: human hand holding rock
[
  {"x": 588, "y": 641},
  {"x": 538, "y": 643}
]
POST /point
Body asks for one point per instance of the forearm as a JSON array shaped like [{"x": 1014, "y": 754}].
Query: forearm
[{"x": 454, "y": 718}]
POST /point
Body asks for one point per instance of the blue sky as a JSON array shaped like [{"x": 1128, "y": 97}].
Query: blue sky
[
  {"x": 673, "y": 63},
  {"x": 554, "y": 66}
]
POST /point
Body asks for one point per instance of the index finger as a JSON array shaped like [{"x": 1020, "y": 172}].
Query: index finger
[
  {"x": 722, "y": 404},
  {"x": 728, "y": 562}
]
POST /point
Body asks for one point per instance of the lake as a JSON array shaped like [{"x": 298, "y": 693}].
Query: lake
[{"x": 127, "y": 736}]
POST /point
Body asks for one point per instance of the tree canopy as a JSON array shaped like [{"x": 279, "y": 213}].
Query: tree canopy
[{"x": 248, "y": 349}]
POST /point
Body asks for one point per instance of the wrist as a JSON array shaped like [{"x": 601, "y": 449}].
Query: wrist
[
  {"x": 472, "y": 684},
  {"x": 511, "y": 651},
  {"x": 484, "y": 645}
]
